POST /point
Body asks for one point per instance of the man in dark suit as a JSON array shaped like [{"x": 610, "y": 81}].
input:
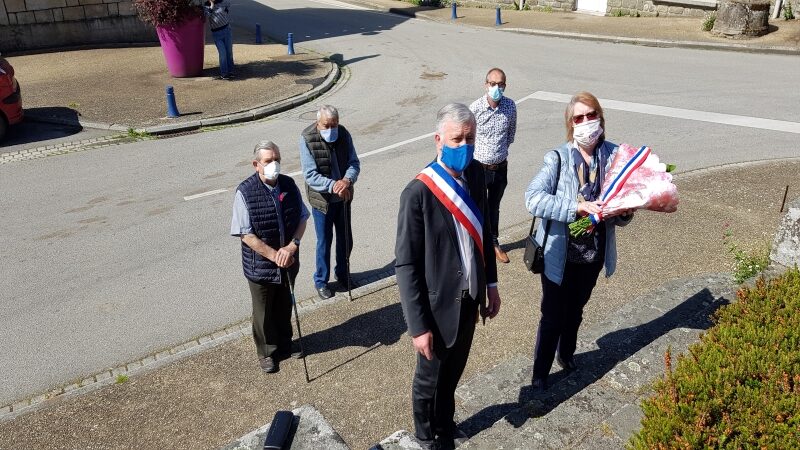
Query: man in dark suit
[{"x": 446, "y": 271}]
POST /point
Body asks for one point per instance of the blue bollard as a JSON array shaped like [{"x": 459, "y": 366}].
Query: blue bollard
[
  {"x": 258, "y": 33},
  {"x": 290, "y": 44},
  {"x": 453, "y": 14},
  {"x": 172, "y": 107},
  {"x": 497, "y": 21}
]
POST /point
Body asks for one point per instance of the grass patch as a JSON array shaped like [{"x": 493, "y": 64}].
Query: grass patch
[{"x": 121, "y": 378}]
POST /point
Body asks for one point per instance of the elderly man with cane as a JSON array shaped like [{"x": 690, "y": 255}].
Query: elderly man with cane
[
  {"x": 446, "y": 271},
  {"x": 330, "y": 167},
  {"x": 269, "y": 217}
]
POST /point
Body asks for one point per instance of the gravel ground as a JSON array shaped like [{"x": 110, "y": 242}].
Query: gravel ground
[
  {"x": 126, "y": 85},
  {"x": 361, "y": 361}
]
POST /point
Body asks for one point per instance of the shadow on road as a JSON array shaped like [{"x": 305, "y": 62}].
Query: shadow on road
[
  {"x": 30, "y": 130},
  {"x": 615, "y": 347}
]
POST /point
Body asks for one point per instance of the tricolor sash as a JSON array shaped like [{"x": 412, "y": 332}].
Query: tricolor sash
[
  {"x": 616, "y": 185},
  {"x": 455, "y": 199}
]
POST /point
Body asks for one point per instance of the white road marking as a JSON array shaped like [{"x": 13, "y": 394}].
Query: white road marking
[
  {"x": 642, "y": 108},
  {"x": 679, "y": 113},
  {"x": 204, "y": 194},
  {"x": 340, "y": 4}
]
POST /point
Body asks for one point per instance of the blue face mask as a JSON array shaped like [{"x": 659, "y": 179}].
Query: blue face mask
[
  {"x": 330, "y": 134},
  {"x": 496, "y": 93},
  {"x": 457, "y": 158}
]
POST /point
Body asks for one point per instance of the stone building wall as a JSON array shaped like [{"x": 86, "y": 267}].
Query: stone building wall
[{"x": 36, "y": 24}]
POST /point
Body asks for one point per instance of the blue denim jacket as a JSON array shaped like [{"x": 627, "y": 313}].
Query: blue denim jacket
[{"x": 561, "y": 209}]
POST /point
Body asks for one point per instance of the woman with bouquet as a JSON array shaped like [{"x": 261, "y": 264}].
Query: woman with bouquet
[{"x": 572, "y": 264}]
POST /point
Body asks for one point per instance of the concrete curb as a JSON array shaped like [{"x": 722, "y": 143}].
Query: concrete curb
[
  {"x": 664, "y": 43},
  {"x": 160, "y": 358},
  {"x": 241, "y": 116}
]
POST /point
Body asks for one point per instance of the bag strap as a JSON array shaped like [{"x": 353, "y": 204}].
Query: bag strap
[{"x": 555, "y": 189}]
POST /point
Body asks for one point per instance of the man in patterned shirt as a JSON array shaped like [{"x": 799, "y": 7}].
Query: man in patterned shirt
[{"x": 496, "y": 117}]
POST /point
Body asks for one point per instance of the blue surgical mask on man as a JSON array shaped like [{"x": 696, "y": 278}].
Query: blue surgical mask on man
[
  {"x": 329, "y": 134},
  {"x": 495, "y": 93},
  {"x": 457, "y": 158}
]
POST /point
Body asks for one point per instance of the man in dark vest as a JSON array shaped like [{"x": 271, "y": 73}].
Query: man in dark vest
[
  {"x": 330, "y": 167},
  {"x": 270, "y": 217}
]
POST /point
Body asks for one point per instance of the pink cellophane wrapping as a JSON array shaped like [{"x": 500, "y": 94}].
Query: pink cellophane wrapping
[{"x": 648, "y": 187}]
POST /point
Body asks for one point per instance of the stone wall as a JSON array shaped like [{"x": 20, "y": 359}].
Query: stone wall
[
  {"x": 659, "y": 8},
  {"x": 555, "y": 5},
  {"x": 36, "y": 24}
]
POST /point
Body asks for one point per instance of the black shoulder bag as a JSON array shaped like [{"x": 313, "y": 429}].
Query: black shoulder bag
[{"x": 534, "y": 253}]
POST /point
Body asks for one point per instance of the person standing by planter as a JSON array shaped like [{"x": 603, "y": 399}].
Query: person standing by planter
[{"x": 217, "y": 12}]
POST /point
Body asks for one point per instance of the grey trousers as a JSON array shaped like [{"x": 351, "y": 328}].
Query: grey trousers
[{"x": 272, "y": 317}]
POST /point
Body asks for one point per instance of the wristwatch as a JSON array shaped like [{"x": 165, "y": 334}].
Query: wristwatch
[{"x": 296, "y": 241}]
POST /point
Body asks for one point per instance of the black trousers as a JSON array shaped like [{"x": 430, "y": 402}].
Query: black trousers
[
  {"x": 496, "y": 182},
  {"x": 272, "y": 317},
  {"x": 562, "y": 314},
  {"x": 435, "y": 381}
]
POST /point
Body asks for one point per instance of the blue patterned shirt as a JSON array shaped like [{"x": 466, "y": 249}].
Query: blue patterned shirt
[{"x": 496, "y": 129}]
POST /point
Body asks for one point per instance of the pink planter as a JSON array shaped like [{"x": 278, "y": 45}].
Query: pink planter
[{"x": 183, "y": 46}]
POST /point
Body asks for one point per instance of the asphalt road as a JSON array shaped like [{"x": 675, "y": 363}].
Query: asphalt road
[{"x": 104, "y": 260}]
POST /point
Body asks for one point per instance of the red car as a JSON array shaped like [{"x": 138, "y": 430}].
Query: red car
[{"x": 10, "y": 98}]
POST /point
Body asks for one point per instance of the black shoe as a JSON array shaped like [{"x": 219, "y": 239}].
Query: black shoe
[
  {"x": 459, "y": 438},
  {"x": 293, "y": 352},
  {"x": 268, "y": 364},
  {"x": 539, "y": 384},
  {"x": 342, "y": 282},
  {"x": 568, "y": 365},
  {"x": 324, "y": 292}
]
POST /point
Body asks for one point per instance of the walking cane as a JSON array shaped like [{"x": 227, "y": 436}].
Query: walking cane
[
  {"x": 297, "y": 322},
  {"x": 347, "y": 246}
]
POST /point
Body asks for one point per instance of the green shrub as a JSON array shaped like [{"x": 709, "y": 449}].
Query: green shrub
[
  {"x": 708, "y": 22},
  {"x": 739, "y": 387},
  {"x": 788, "y": 14}
]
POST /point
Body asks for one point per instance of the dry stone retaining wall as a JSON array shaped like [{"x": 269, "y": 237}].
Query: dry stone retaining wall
[{"x": 35, "y": 24}]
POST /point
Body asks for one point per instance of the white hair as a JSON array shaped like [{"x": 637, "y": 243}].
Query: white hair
[
  {"x": 265, "y": 145},
  {"x": 327, "y": 111},
  {"x": 454, "y": 112}
]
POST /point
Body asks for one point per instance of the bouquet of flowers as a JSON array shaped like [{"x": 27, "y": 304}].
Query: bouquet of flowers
[{"x": 636, "y": 180}]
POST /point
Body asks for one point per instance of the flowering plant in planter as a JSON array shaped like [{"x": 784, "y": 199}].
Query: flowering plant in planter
[
  {"x": 161, "y": 13},
  {"x": 180, "y": 28}
]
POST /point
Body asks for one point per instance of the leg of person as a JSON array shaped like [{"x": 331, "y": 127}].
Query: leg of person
[
  {"x": 323, "y": 228},
  {"x": 229, "y": 49},
  {"x": 342, "y": 252},
  {"x": 550, "y": 327},
  {"x": 265, "y": 346},
  {"x": 451, "y": 369},
  {"x": 582, "y": 279},
  {"x": 423, "y": 394},
  {"x": 282, "y": 318},
  {"x": 219, "y": 42},
  {"x": 496, "y": 182}
]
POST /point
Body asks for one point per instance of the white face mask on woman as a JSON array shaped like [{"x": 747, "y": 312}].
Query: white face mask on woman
[{"x": 587, "y": 133}]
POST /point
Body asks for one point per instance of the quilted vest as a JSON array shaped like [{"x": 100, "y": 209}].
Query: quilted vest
[
  {"x": 263, "y": 209},
  {"x": 322, "y": 152}
]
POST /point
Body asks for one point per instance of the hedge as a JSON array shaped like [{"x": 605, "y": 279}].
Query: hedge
[{"x": 739, "y": 387}]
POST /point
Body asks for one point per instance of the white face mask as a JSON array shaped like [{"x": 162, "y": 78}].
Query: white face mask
[
  {"x": 272, "y": 170},
  {"x": 587, "y": 133}
]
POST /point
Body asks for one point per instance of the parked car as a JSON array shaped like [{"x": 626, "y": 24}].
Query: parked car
[{"x": 10, "y": 98}]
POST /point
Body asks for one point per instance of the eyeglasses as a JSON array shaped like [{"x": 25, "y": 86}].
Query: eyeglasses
[
  {"x": 591, "y": 115},
  {"x": 502, "y": 84}
]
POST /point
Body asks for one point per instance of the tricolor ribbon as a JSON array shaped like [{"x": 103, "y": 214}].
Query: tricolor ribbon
[
  {"x": 613, "y": 189},
  {"x": 455, "y": 199}
]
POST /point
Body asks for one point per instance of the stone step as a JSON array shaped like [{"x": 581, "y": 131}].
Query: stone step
[
  {"x": 598, "y": 405},
  {"x": 310, "y": 432}
]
